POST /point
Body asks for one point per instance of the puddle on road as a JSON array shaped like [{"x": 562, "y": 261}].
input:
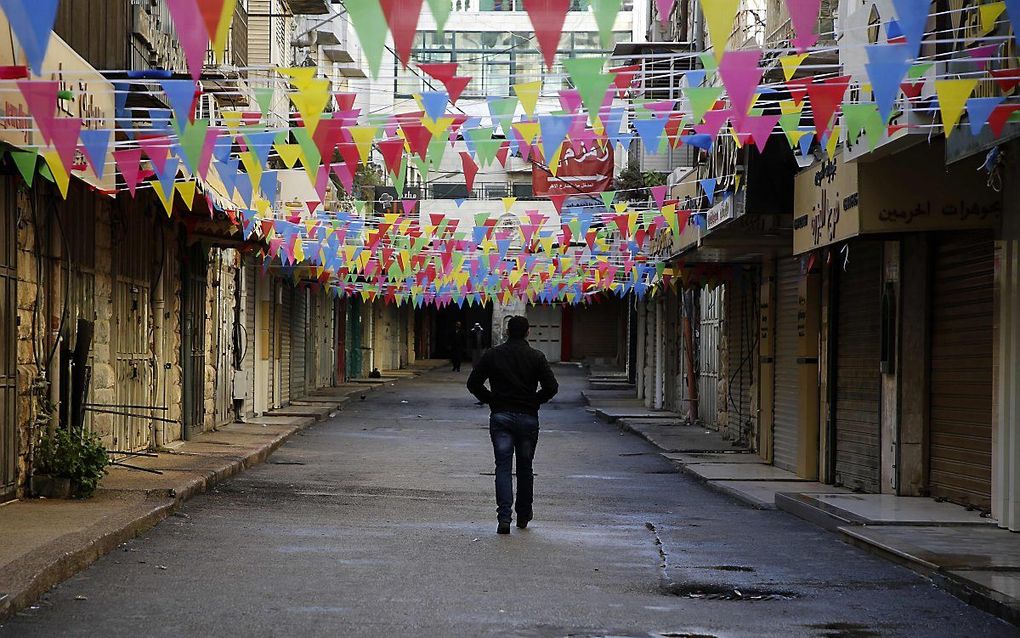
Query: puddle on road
[
  {"x": 703, "y": 591},
  {"x": 845, "y": 630}
]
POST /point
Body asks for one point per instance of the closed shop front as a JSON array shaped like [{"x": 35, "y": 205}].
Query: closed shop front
[
  {"x": 193, "y": 327},
  {"x": 960, "y": 416},
  {"x": 8, "y": 343},
  {"x": 787, "y": 390},
  {"x": 545, "y": 330},
  {"x": 858, "y": 374},
  {"x": 596, "y": 334},
  {"x": 284, "y": 332},
  {"x": 298, "y": 341},
  {"x": 740, "y": 328},
  {"x": 249, "y": 334}
]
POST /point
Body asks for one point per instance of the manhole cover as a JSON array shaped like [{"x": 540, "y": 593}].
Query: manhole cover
[{"x": 727, "y": 592}]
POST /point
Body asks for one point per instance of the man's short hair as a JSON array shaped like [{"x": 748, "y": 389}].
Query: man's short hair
[{"x": 517, "y": 327}]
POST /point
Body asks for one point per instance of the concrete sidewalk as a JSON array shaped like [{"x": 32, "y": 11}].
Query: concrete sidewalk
[
  {"x": 47, "y": 541},
  {"x": 920, "y": 533}
]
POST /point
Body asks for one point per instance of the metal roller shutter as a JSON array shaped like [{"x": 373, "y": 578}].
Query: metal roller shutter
[
  {"x": 285, "y": 346},
  {"x": 298, "y": 333},
  {"x": 787, "y": 386},
  {"x": 961, "y": 369},
  {"x": 858, "y": 375},
  {"x": 741, "y": 326}
]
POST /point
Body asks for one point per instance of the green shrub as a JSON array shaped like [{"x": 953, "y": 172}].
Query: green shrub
[{"x": 79, "y": 456}]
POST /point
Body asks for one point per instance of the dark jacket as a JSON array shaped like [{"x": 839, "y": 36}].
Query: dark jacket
[{"x": 514, "y": 371}]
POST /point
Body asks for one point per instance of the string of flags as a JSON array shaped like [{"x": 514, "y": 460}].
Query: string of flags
[{"x": 236, "y": 160}]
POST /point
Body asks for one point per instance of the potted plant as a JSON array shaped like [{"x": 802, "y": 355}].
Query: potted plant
[{"x": 69, "y": 464}]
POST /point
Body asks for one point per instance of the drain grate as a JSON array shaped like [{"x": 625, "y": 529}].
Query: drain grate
[{"x": 727, "y": 592}]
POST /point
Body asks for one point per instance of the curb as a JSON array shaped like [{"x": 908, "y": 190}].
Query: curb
[{"x": 47, "y": 572}]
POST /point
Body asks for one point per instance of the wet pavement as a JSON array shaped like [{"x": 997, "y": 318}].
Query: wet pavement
[{"x": 381, "y": 522}]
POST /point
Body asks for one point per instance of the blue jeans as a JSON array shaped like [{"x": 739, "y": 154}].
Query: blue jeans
[{"x": 511, "y": 433}]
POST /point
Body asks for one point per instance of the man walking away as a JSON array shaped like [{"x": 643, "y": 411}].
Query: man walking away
[
  {"x": 457, "y": 342},
  {"x": 520, "y": 381}
]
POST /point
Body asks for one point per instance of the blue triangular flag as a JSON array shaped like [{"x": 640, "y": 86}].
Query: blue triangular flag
[
  {"x": 269, "y": 184},
  {"x": 32, "y": 24},
  {"x": 96, "y": 145},
  {"x": 181, "y": 95},
  {"x": 887, "y": 65},
  {"x": 699, "y": 140},
  {"x": 261, "y": 143},
  {"x": 554, "y": 130},
  {"x": 805, "y": 143},
  {"x": 912, "y": 16},
  {"x": 1013, "y": 13},
  {"x": 979, "y": 109},
  {"x": 708, "y": 185},
  {"x": 168, "y": 176},
  {"x": 435, "y": 103},
  {"x": 458, "y": 201},
  {"x": 650, "y": 131}
]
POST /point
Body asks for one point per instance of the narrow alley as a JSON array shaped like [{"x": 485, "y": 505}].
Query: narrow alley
[{"x": 380, "y": 521}]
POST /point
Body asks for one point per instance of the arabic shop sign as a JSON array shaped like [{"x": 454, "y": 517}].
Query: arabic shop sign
[
  {"x": 826, "y": 205},
  {"x": 905, "y": 192}
]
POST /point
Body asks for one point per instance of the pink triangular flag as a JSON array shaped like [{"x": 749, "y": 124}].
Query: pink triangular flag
[
  {"x": 804, "y": 18},
  {"x": 128, "y": 162},
  {"x": 192, "y": 32},
  {"x": 41, "y": 100},
  {"x": 65, "y": 138},
  {"x": 741, "y": 74},
  {"x": 659, "y": 193}
]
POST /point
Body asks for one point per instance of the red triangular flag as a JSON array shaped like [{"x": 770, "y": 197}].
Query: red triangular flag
[
  {"x": 798, "y": 88},
  {"x": 470, "y": 169},
  {"x": 826, "y": 96},
  {"x": 547, "y": 18},
  {"x": 211, "y": 11},
  {"x": 402, "y": 16},
  {"x": 456, "y": 86},
  {"x": 557, "y": 201},
  {"x": 441, "y": 71},
  {"x": 127, "y": 161},
  {"x": 392, "y": 151}
]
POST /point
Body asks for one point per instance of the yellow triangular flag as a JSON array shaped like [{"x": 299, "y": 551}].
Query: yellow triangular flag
[
  {"x": 436, "y": 127},
  {"x": 363, "y": 136},
  {"x": 788, "y": 107},
  {"x": 289, "y": 153},
  {"x": 508, "y": 202},
  {"x": 830, "y": 146},
  {"x": 60, "y": 174},
  {"x": 989, "y": 15},
  {"x": 168, "y": 202},
  {"x": 528, "y": 130},
  {"x": 310, "y": 101},
  {"x": 223, "y": 29},
  {"x": 300, "y": 76},
  {"x": 719, "y": 15},
  {"x": 187, "y": 191},
  {"x": 790, "y": 64},
  {"x": 527, "y": 93},
  {"x": 251, "y": 164},
  {"x": 953, "y": 96},
  {"x": 232, "y": 120}
]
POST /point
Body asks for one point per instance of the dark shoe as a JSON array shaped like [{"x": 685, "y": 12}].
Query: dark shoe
[
  {"x": 522, "y": 522},
  {"x": 504, "y": 527}
]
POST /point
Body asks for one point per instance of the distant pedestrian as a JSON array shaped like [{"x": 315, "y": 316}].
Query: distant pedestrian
[
  {"x": 520, "y": 381},
  {"x": 477, "y": 343},
  {"x": 457, "y": 341}
]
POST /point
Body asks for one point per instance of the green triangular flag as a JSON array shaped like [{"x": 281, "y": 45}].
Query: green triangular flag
[
  {"x": 440, "y": 10},
  {"x": 709, "y": 61},
  {"x": 918, "y": 70},
  {"x": 310, "y": 156},
  {"x": 607, "y": 198},
  {"x": 26, "y": 161},
  {"x": 437, "y": 147},
  {"x": 605, "y": 17},
  {"x": 790, "y": 122},
  {"x": 264, "y": 98},
  {"x": 370, "y": 25},
  {"x": 193, "y": 140},
  {"x": 359, "y": 206},
  {"x": 863, "y": 116},
  {"x": 44, "y": 170},
  {"x": 590, "y": 81},
  {"x": 400, "y": 176},
  {"x": 702, "y": 98},
  {"x": 502, "y": 112},
  {"x": 422, "y": 166}
]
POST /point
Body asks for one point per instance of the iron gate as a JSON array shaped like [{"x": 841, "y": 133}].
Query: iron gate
[
  {"x": 708, "y": 355},
  {"x": 193, "y": 337}
]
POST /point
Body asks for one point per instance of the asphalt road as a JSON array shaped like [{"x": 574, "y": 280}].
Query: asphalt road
[{"x": 381, "y": 522}]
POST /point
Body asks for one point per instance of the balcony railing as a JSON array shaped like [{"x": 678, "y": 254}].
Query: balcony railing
[{"x": 480, "y": 190}]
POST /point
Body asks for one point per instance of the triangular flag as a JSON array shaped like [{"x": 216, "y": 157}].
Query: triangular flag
[
  {"x": 804, "y": 19},
  {"x": 719, "y": 15},
  {"x": 665, "y": 10},
  {"x": 181, "y": 95},
  {"x": 32, "y": 23},
  {"x": 440, "y": 10},
  {"x": 826, "y": 96},
  {"x": 791, "y": 63},
  {"x": 547, "y": 17},
  {"x": 741, "y": 74},
  {"x": 96, "y": 144},
  {"x": 591, "y": 82},
  {"x": 708, "y": 187},
  {"x": 953, "y": 96},
  {"x": 128, "y": 161},
  {"x": 26, "y": 162},
  {"x": 192, "y": 33},
  {"x": 470, "y": 169},
  {"x": 527, "y": 93},
  {"x": 59, "y": 172},
  {"x": 605, "y": 12},
  {"x": 979, "y": 109},
  {"x": 402, "y": 17},
  {"x": 370, "y": 25},
  {"x": 912, "y": 16}
]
